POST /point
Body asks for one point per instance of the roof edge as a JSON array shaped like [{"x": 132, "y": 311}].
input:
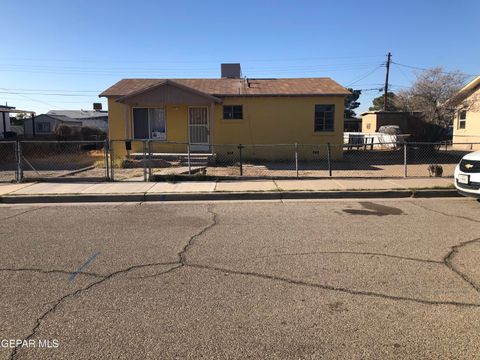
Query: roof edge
[{"x": 167, "y": 82}]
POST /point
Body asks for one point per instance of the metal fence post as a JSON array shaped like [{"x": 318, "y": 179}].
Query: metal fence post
[
  {"x": 405, "y": 168},
  {"x": 18, "y": 157},
  {"x": 188, "y": 159},
  {"x": 240, "y": 154},
  {"x": 149, "y": 160},
  {"x": 296, "y": 159},
  {"x": 144, "y": 142},
  {"x": 112, "y": 163},
  {"x": 329, "y": 159},
  {"x": 105, "y": 149}
]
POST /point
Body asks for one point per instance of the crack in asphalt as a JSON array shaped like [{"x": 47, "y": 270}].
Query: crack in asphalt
[
  {"x": 352, "y": 253},
  {"x": 331, "y": 288},
  {"x": 444, "y": 213},
  {"x": 182, "y": 255},
  {"x": 42, "y": 271},
  {"x": 57, "y": 303},
  {"x": 448, "y": 259},
  {"x": 22, "y": 213},
  {"x": 180, "y": 263}
]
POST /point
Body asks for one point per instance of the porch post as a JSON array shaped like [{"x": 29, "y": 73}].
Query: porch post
[
  {"x": 212, "y": 127},
  {"x": 33, "y": 125},
  {"x": 4, "y": 126},
  {"x": 127, "y": 128}
]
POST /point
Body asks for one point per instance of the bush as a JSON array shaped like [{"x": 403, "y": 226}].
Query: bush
[
  {"x": 68, "y": 132},
  {"x": 422, "y": 131}
]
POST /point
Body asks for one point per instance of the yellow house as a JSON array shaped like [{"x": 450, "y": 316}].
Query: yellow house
[
  {"x": 209, "y": 113},
  {"x": 466, "y": 125}
]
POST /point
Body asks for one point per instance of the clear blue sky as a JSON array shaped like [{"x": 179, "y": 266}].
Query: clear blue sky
[{"x": 59, "y": 54}]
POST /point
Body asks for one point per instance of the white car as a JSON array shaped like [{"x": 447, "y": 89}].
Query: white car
[{"x": 467, "y": 175}]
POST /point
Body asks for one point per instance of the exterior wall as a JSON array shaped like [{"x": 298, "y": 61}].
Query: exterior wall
[
  {"x": 39, "y": 119},
  {"x": 266, "y": 120},
  {"x": 176, "y": 124},
  {"x": 369, "y": 123},
  {"x": 278, "y": 120},
  {"x": 471, "y": 133}
]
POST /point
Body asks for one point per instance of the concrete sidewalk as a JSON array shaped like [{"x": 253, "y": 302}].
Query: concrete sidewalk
[{"x": 224, "y": 190}]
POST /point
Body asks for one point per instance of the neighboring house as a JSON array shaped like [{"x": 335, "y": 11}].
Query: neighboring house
[
  {"x": 373, "y": 120},
  {"x": 229, "y": 110},
  {"x": 352, "y": 125},
  {"x": 7, "y": 130},
  {"x": 5, "y": 120},
  {"x": 45, "y": 125},
  {"x": 89, "y": 118},
  {"x": 466, "y": 125}
]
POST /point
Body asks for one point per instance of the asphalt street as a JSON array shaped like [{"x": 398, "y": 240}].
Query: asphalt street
[{"x": 345, "y": 279}]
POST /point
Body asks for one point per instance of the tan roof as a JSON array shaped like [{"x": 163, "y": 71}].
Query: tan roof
[{"x": 236, "y": 87}]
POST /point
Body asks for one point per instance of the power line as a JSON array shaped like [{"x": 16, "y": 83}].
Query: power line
[
  {"x": 423, "y": 69},
  {"x": 45, "y": 94},
  {"x": 35, "y": 100},
  {"x": 366, "y": 75},
  {"x": 58, "y": 90},
  {"x": 98, "y": 61}
]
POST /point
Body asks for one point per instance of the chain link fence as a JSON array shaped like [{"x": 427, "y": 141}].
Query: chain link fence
[
  {"x": 8, "y": 161},
  {"x": 152, "y": 160},
  {"x": 161, "y": 160},
  {"x": 38, "y": 160}
]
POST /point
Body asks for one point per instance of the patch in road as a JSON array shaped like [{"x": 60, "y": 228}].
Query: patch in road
[{"x": 370, "y": 208}]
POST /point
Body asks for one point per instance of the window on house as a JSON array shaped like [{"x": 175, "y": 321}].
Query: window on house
[
  {"x": 233, "y": 112},
  {"x": 149, "y": 123},
  {"x": 462, "y": 119},
  {"x": 42, "y": 127},
  {"x": 369, "y": 126},
  {"x": 324, "y": 117}
]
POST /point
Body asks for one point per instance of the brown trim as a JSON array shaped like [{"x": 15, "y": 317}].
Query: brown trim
[
  {"x": 279, "y": 95},
  {"x": 172, "y": 83}
]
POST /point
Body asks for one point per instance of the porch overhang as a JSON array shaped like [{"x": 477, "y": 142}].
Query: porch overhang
[{"x": 168, "y": 92}]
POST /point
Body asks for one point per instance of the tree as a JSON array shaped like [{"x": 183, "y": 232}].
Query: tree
[
  {"x": 432, "y": 94},
  {"x": 378, "y": 103},
  {"x": 19, "y": 118},
  {"x": 351, "y": 103}
]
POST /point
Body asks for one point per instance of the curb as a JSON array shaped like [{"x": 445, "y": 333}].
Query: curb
[{"x": 219, "y": 196}]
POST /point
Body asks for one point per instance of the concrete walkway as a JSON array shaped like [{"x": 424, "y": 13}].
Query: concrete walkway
[{"x": 142, "y": 191}]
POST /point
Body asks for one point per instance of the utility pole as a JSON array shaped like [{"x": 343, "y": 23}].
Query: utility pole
[{"x": 385, "y": 101}]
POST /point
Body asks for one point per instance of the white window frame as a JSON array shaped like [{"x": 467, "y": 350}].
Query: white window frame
[{"x": 460, "y": 120}]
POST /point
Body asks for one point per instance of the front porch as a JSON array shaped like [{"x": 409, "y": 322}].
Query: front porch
[{"x": 172, "y": 113}]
